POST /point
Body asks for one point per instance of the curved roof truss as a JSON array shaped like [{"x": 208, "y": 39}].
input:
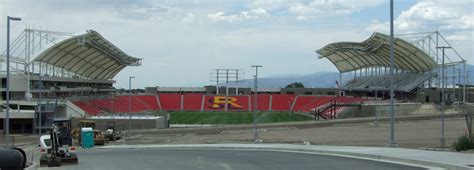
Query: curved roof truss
[
  {"x": 374, "y": 52},
  {"x": 88, "y": 55}
]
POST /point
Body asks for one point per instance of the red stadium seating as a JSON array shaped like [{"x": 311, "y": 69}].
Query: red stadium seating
[
  {"x": 282, "y": 102},
  {"x": 119, "y": 104},
  {"x": 92, "y": 110},
  {"x": 263, "y": 102},
  {"x": 170, "y": 101},
  {"x": 192, "y": 101},
  {"x": 150, "y": 100}
]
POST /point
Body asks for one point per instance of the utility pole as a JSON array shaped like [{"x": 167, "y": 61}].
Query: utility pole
[
  {"x": 376, "y": 122},
  {"x": 459, "y": 92},
  {"x": 217, "y": 84},
  {"x": 226, "y": 91},
  {"x": 39, "y": 100},
  {"x": 130, "y": 102},
  {"x": 443, "y": 97},
  {"x": 464, "y": 83},
  {"x": 392, "y": 142},
  {"x": 7, "y": 93},
  {"x": 255, "y": 92}
]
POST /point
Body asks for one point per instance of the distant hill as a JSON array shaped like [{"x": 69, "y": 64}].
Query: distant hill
[{"x": 320, "y": 79}]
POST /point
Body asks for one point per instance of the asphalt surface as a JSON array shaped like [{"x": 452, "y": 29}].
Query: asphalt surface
[{"x": 210, "y": 159}]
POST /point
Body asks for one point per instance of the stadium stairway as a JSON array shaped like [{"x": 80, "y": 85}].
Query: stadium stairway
[
  {"x": 334, "y": 107},
  {"x": 306, "y": 103}
]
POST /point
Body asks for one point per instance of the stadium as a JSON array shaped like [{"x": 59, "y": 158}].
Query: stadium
[
  {"x": 260, "y": 84},
  {"x": 70, "y": 76},
  {"x": 58, "y": 74}
]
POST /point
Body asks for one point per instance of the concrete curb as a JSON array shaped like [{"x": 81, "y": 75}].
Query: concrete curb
[
  {"x": 32, "y": 167},
  {"x": 31, "y": 149},
  {"x": 303, "y": 148}
]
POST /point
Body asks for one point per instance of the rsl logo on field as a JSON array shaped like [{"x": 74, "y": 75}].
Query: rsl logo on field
[{"x": 218, "y": 102}]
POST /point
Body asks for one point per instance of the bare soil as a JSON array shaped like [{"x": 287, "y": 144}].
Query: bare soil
[{"x": 408, "y": 134}]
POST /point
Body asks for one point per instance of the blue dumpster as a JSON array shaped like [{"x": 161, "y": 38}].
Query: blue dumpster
[{"x": 87, "y": 137}]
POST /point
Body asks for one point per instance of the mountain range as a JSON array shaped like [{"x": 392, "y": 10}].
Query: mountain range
[{"x": 323, "y": 79}]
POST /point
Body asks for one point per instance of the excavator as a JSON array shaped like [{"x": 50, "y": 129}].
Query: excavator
[{"x": 56, "y": 147}]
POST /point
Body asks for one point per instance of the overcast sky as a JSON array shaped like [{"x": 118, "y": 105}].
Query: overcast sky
[{"x": 180, "y": 41}]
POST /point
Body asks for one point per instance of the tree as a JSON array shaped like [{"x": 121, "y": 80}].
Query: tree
[{"x": 295, "y": 85}]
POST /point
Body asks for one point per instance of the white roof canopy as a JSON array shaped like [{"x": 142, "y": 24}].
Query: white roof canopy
[
  {"x": 88, "y": 55},
  {"x": 374, "y": 52}
]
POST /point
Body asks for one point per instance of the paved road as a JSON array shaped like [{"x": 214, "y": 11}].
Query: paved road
[{"x": 209, "y": 159}]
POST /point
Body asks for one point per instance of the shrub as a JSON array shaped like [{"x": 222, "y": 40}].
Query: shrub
[{"x": 463, "y": 143}]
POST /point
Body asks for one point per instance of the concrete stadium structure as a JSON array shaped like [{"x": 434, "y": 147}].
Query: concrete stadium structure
[
  {"x": 419, "y": 64},
  {"x": 417, "y": 80},
  {"x": 49, "y": 69},
  {"x": 74, "y": 77}
]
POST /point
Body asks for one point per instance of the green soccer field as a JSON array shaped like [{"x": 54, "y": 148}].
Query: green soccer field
[{"x": 233, "y": 117}]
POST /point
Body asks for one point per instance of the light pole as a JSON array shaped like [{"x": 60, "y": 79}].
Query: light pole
[
  {"x": 443, "y": 98},
  {"x": 459, "y": 91},
  {"x": 7, "y": 93},
  {"x": 289, "y": 106},
  {"x": 255, "y": 137},
  {"x": 459, "y": 84},
  {"x": 391, "y": 142},
  {"x": 466, "y": 82},
  {"x": 130, "y": 101},
  {"x": 112, "y": 106},
  {"x": 39, "y": 101},
  {"x": 467, "y": 77},
  {"x": 376, "y": 122}
]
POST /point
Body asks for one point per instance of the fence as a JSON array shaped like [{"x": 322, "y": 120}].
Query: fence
[
  {"x": 18, "y": 140},
  {"x": 369, "y": 109}
]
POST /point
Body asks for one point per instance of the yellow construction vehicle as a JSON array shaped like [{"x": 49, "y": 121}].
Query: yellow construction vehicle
[{"x": 98, "y": 137}]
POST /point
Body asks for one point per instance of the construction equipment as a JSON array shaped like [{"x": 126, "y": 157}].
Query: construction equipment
[
  {"x": 98, "y": 137},
  {"x": 112, "y": 133},
  {"x": 56, "y": 148}
]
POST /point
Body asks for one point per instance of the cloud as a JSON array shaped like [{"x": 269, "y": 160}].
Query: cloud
[
  {"x": 189, "y": 18},
  {"x": 454, "y": 19},
  {"x": 169, "y": 44},
  {"x": 325, "y": 8},
  {"x": 456, "y": 38},
  {"x": 242, "y": 16},
  {"x": 301, "y": 18},
  {"x": 271, "y": 4},
  {"x": 140, "y": 12},
  {"x": 429, "y": 14}
]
